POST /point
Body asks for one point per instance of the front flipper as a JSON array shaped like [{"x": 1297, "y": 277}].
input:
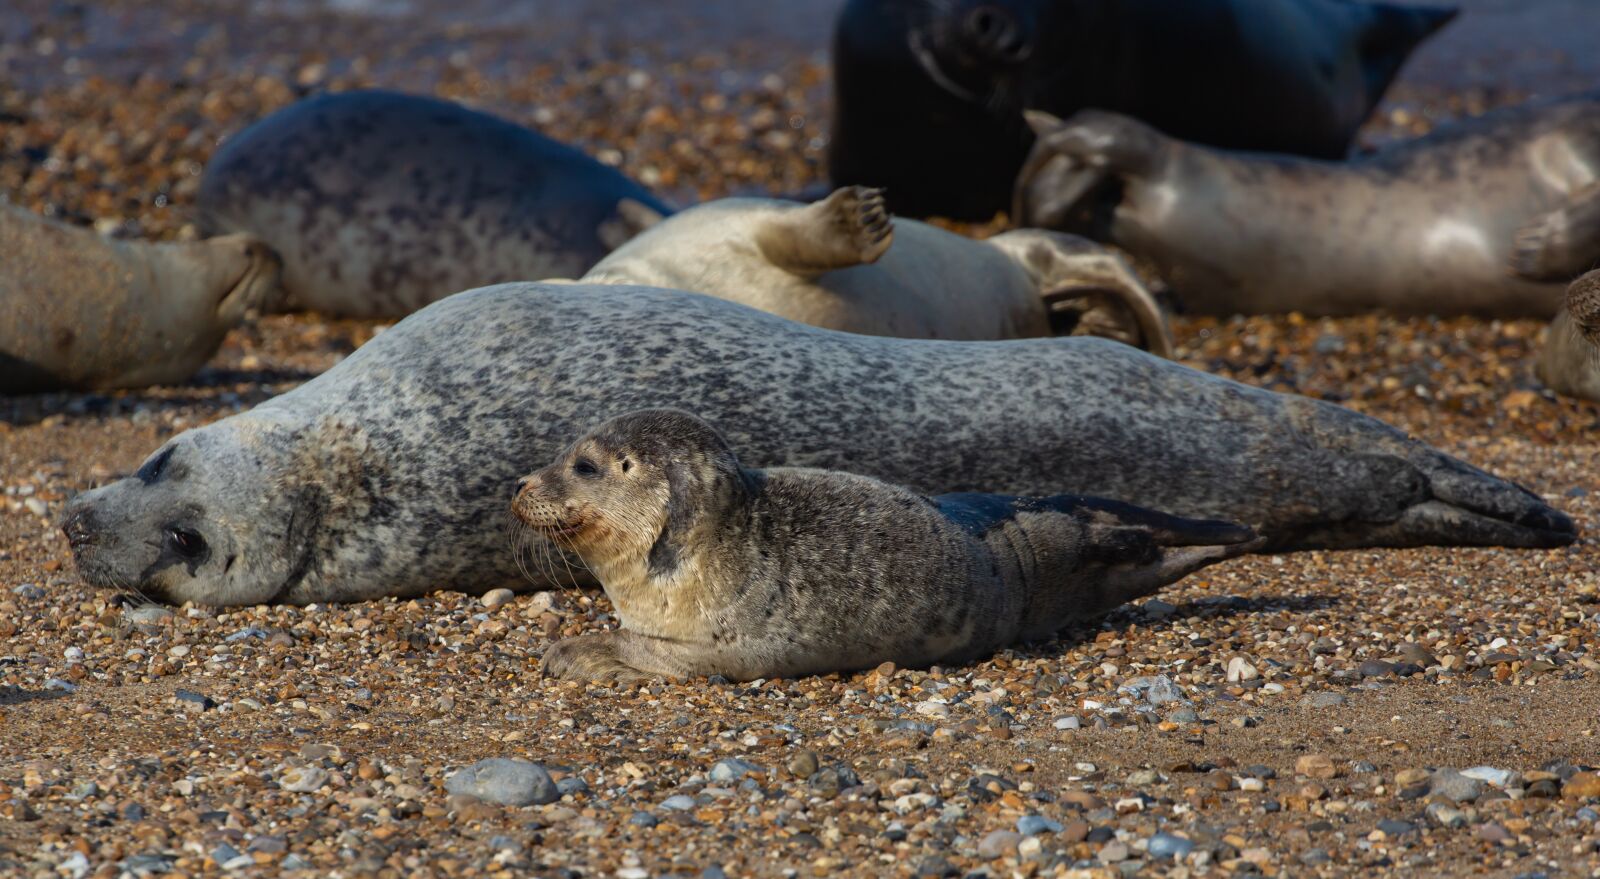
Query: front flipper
[
  {"x": 1074, "y": 161},
  {"x": 620, "y": 656},
  {"x": 1562, "y": 244},
  {"x": 851, "y": 227}
]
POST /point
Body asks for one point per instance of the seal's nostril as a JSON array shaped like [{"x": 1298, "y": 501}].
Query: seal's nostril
[
  {"x": 79, "y": 527},
  {"x": 522, "y": 484}
]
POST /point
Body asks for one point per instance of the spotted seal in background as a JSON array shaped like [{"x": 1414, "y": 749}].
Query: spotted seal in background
[
  {"x": 1491, "y": 216},
  {"x": 389, "y": 474},
  {"x": 844, "y": 264},
  {"x": 1570, "y": 360},
  {"x": 929, "y": 94},
  {"x": 81, "y": 311},
  {"x": 380, "y": 203},
  {"x": 715, "y": 569}
]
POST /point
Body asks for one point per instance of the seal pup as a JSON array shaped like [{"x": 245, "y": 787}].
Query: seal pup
[
  {"x": 844, "y": 263},
  {"x": 929, "y": 94},
  {"x": 1569, "y": 363},
  {"x": 381, "y": 202},
  {"x": 719, "y": 569},
  {"x": 85, "y": 312},
  {"x": 388, "y": 474},
  {"x": 1471, "y": 219}
]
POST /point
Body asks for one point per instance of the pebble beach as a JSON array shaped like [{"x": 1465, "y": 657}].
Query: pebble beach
[{"x": 1424, "y": 712}]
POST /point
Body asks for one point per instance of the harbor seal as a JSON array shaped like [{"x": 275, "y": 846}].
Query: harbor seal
[
  {"x": 716, "y": 569},
  {"x": 1569, "y": 363},
  {"x": 1471, "y": 219},
  {"x": 389, "y": 473},
  {"x": 85, "y": 312},
  {"x": 929, "y": 94},
  {"x": 844, "y": 263},
  {"x": 380, "y": 202}
]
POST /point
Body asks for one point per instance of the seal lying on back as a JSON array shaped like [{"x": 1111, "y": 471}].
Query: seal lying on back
[
  {"x": 388, "y": 474},
  {"x": 1490, "y": 216},
  {"x": 929, "y": 94},
  {"x": 380, "y": 203},
  {"x": 718, "y": 569},
  {"x": 1570, "y": 361},
  {"x": 81, "y": 311},
  {"x": 844, "y": 264}
]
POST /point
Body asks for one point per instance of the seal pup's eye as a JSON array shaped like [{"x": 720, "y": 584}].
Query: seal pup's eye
[
  {"x": 186, "y": 543},
  {"x": 585, "y": 467}
]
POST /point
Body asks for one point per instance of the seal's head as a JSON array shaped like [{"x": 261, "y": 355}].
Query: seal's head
[
  {"x": 633, "y": 491},
  {"x": 236, "y": 513},
  {"x": 1583, "y": 306},
  {"x": 975, "y": 49}
]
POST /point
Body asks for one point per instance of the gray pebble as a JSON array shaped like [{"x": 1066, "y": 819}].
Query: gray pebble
[
  {"x": 1374, "y": 668},
  {"x": 1158, "y": 608},
  {"x": 1033, "y": 825},
  {"x": 1396, "y": 828},
  {"x": 895, "y": 832},
  {"x": 572, "y": 784},
  {"x": 1324, "y": 699},
  {"x": 269, "y": 844},
  {"x": 998, "y": 844},
  {"x": 191, "y": 699},
  {"x": 1454, "y": 786},
  {"x": 148, "y": 615},
  {"x": 1069, "y": 722},
  {"x": 1167, "y": 845},
  {"x": 733, "y": 769},
  {"x": 29, "y": 591},
  {"x": 1184, "y": 715},
  {"x": 678, "y": 803},
  {"x": 505, "y": 781},
  {"x": 1445, "y": 815},
  {"x": 643, "y": 819}
]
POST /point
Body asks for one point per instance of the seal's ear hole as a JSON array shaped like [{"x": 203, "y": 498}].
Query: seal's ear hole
[{"x": 627, "y": 464}]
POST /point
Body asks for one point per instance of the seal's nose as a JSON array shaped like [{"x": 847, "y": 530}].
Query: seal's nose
[
  {"x": 997, "y": 33},
  {"x": 79, "y": 526},
  {"x": 523, "y": 483}
]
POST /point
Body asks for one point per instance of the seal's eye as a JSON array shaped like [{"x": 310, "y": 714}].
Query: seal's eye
[
  {"x": 186, "y": 543},
  {"x": 585, "y": 467}
]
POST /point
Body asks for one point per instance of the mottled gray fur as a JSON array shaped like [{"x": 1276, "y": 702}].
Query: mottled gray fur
[
  {"x": 1491, "y": 216},
  {"x": 714, "y": 568},
  {"x": 380, "y": 203},
  {"x": 390, "y": 473}
]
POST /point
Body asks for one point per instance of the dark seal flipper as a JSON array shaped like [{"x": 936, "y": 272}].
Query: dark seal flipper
[{"x": 1563, "y": 243}]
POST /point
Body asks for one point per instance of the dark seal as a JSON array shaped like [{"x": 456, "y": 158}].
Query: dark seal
[
  {"x": 929, "y": 94},
  {"x": 380, "y": 203},
  {"x": 719, "y": 569}
]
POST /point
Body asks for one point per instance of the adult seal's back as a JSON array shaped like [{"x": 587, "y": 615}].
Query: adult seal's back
[
  {"x": 380, "y": 203},
  {"x": 929, "y": 94},
  {"x": 389, "y": 474}
]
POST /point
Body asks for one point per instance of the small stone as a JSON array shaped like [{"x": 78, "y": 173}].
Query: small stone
[
  {"x": 1316, "y": 766},
  {"x": 1184, "y": 715},
  {"x": 895, "y": 832},
  {"x": 1374, "y": 668},
  {"x": 998, "y": 844},
  {"x": 1409, "y": 777},
  {"x": 1393, "y": 827},
  {"x": 931, "y": 708},
  {"x": 1033, "y": 825},
  {"x": 1069, "y": 722},
  {"x": 497, "y": 597},
  {"x": 303, "y": 779},
  {"x": 1501, "y": 778},
  {"x": 1157, "y": 608},
  {"x": 733, "y": 769},
  {"x": 1493, "y": 832},
  {"x": 269, "y": 844},
  {"x": 1240, "y": 669},
  {"x": 1073, "y": 832},
  {"x": 1324, "y": 699},
  {"x": 1252, "y": 785},
  {"x": 505, "y": 781},
  {"x": 1454, "y": 786},
  {"x": 643, "y": 819},
  {"x": 678, "y": 803},
  {"x": 1243, "y": 722},
  {"x": 1167, "y": 845},
  {"x": 199, "y": 701},
  {"x": 1581, "y": 786},
  {"x": 148, "y": 615},
  {"x": 1417, "y": 654},
  {"x": 1114, "y": 852},
  {"x": 1446, "y": 815},
  {"x": 803, "y": 764}
]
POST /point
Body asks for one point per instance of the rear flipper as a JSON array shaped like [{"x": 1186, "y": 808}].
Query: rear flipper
[
  {"x": 1074, "y": 165},
  {"x": 849, "y": 228},
  {"x": 1106, "y": 553},
  {"x": 1562, "y": 244},
  {"x": 1089, "y": 290}
]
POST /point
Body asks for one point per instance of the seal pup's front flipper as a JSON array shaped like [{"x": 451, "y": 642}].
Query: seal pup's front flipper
[
  {"x": 849, "y": 228},
  {"x": 1563, "y": 243},
  {"x": 1075, "y": 160}
]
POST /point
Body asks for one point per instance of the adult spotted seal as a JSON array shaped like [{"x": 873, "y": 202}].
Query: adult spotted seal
[
  {"x": 719, "y": 569},
  {"x": 1570, "y": 361},
  {"x": 929, "y": 94},
  {"x": 380, "y": 203},
  {"x": 844, "y": 264},
  {"x": 1475, "y": 218},
  {"x": 81, "y": 311},
  {"x": 389, "y": 474}
]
